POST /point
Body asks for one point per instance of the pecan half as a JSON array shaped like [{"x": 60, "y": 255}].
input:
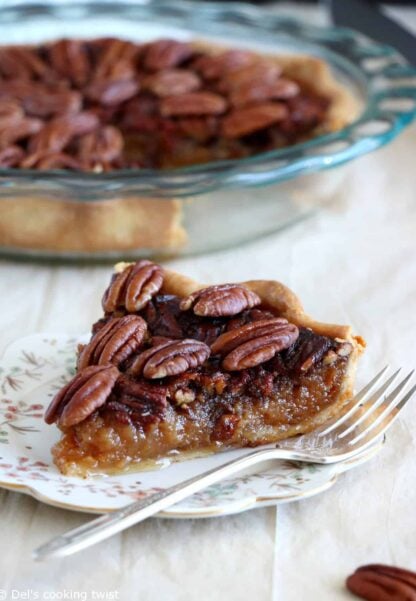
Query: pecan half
[
  {"x": 171, "y": 82},
  {"x": 53, "y": 137},
  {"x": 257, "y": 73},
  {"x": 220, "y": 301},
  {"x": 18, "y": 61},
  {"x": 43, "y": 102},
  {"x": 11, "y": 113},
  {"x": 111, "y": 92},
  {"x": 11, "y": 156},
  {"x": 250, "y": 93},
  {"x": 116, "y": 60},
  {"x": 214, "y": 66},
  {"x": 70, "y": 59},
  {"x": 115, "y": 342},
  {"x": 165, "y": 54},
  {"x": 201, "y": 129},
  {"x": 378, "y": 582},
  {"x": 101, "y": 146},
  {"x": 254, "y": 343},
  {"x": 58, "y": 160},
  {"x": 196, "y": 103},
  {"x": 87, "y": 391},
  {"x": 143, "y": 402},
  {"x": 133, "y": 287},
  {"x": 309, "y": 349},
  {"x": 245, "y": 121},
  {"x": 170, "y": 358},
  {"x": 19, "y": 131}
]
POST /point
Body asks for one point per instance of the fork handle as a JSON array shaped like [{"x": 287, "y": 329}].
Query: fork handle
[{"x": 106, "y": 525}]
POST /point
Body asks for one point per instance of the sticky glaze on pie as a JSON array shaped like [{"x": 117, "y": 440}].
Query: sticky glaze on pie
[{"x": 174, "y": 368}]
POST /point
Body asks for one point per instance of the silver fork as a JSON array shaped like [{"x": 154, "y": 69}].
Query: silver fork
[{"x": 366, "y": 418}]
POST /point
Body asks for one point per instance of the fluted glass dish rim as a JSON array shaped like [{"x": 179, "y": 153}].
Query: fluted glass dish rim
[{"x": 340, "y": 47}]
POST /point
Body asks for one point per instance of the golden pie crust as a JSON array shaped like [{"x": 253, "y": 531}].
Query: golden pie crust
[{"x": 65, "y": 225}]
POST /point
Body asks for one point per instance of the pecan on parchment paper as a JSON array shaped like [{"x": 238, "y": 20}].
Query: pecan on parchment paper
[{"x": 377, "y": 582}]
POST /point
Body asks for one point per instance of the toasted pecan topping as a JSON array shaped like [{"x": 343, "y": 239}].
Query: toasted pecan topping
[
  {"x": 257, "y": 73},
  {"x": 133, "y": 287},
  {"x": 254, "y": 343},
  {"x": 215, "y": 66},
  {"x": 163, "y": 104},
  {"x": 70, "y": 59},
  {"x": 245, "y": 121},
  {"x": 118, "y": 340},
  {"x": 87, "y": 391},
  {"x": 262, "y": 92},
  {"x": 172, "y": 82},
  {"x": 193, "y": 103},
  {"x": 166, "y": 54},
  {"x": 220, "y": 301},
  {"x": 170, "y": 358}
]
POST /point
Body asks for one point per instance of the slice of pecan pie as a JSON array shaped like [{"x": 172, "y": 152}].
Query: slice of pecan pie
[{"x": 176, "y": 369}]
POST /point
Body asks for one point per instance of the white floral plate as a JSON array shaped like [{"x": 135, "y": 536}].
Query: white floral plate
[{"x": 35, "y": 367}]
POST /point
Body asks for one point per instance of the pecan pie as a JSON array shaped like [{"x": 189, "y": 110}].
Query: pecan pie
[
  {"x": 109, "y": 104},
  {"x": 174, "y": 368},
  {"x": 105, "y": 104}
]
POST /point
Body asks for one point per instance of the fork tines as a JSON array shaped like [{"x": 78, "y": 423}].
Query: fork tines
[{"x": 371, "y": 411}]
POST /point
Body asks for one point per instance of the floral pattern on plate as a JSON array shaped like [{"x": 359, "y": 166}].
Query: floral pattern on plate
[{"x": 35, "y": 367}]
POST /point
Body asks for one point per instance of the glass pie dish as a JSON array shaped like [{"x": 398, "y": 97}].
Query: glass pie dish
[{"x": 166, "y": 212}]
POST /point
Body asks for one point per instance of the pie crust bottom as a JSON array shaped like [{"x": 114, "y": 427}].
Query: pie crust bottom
[{"x": 285, "y": 407}]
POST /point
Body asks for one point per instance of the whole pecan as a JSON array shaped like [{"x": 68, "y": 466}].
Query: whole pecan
[
  {"x": 133, "y": 287},
  {"x": 87, "y": 391},
  {"x": 171, "y": 82},
  {"x": 194, "y": 103},
  {"x": 165, "y": 54},
  {"x": 220, "y": 301},
  {"x": 170, "y": 358},
  {"x": 115, "y": 342},
  {"x": 378, "y": 582},
  {"x": 254, "y": 343},
  {"x": 245, "y": 121}
]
